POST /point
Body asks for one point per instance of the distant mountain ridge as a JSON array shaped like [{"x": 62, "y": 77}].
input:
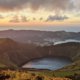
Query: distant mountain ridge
[{"x": 39, "y": 37}]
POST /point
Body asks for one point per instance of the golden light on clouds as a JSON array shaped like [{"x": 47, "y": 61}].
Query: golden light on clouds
[{"x": 40, "y": 12}]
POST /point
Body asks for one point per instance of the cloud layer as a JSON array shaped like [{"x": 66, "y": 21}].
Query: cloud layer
[
  {"x": 36, "y": 4},
  {"x": 1, "y": 17},
  {"x": 11, "y": 4},
  {"x": 56, "y": 18},
  {"x": 17, "y": 19}
]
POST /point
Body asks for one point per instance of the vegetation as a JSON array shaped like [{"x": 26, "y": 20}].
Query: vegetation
[
  {"x": 39, "y": 75},
  {"x": 30, "y": 75},
  {"x": 14, "y": 54}
]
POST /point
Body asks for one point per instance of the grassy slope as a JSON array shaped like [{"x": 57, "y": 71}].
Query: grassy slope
[
  {"x": 13, "y": 54},
  {"x": 9, "y": 47}
]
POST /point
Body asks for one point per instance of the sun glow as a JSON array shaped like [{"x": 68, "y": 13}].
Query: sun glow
[{"x": 39, "y": 15}]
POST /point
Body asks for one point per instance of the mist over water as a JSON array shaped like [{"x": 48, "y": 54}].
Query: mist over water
[
  {"x": 66, "y": 41},
  {"x": 48, "y": 63}
]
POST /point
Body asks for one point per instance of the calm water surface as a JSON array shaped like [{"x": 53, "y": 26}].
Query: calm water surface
[{"x": 48, "y": 63}]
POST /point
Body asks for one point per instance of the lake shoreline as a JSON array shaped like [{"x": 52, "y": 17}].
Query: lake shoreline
[{"x": 48, "y": 63}]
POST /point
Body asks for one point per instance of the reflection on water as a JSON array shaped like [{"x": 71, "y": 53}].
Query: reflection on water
[{"x": 48, "y": 63}]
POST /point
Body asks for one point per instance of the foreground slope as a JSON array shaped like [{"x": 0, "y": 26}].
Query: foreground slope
[{"x": 12, "y": 54}]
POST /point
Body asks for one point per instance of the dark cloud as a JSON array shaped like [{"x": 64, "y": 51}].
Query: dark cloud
[
  {"x": 36, "y": 4},
  {"x": 41, "y": 19},
  {"x": 34, "y": 19},
  {"x": 56, "y": 18},
  {"x": 52, "y": 4},
  {"x": 17, "y": 19},
  {"x": 23, "y": 19},
  {"x": 11, "y": 4}
]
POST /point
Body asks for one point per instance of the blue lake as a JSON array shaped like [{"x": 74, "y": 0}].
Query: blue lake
[{"x": 52, "y": 63}]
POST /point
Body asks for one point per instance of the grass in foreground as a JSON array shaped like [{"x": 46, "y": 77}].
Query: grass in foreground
[{"x": 32, "y": 75}]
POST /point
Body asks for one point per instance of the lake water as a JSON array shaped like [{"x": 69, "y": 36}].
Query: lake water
[{"x": 52, "y": 63}]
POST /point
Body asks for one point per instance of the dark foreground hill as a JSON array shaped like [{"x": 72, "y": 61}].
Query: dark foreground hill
[{"x": 14, "y": 54}]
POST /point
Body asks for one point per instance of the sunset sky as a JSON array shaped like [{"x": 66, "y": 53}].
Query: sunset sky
[{"x": 39, "y": 13}]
